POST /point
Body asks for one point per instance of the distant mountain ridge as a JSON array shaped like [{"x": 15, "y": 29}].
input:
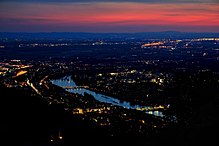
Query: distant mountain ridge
[{"x": 111, "y": 36}]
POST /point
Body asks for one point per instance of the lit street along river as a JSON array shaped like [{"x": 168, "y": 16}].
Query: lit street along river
[{"x": 68, "y": 82}]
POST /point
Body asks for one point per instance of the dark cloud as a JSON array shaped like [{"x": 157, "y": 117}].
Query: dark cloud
[{"x": 90, "y": 1}]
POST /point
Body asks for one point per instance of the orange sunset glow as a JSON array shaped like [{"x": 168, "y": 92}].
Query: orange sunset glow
[{"x": 105, "y": 16}]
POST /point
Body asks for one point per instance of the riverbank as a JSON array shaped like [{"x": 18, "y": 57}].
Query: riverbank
[{"x": 73, "y": 88}]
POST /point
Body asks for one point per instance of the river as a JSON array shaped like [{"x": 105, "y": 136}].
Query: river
[{"x": 68, "y": 82}]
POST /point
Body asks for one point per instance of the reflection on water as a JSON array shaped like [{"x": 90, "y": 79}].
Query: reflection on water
[{"x": 72, "y": 87}]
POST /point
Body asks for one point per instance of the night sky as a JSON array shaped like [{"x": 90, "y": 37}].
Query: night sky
[{"x": 109, "y": 15}]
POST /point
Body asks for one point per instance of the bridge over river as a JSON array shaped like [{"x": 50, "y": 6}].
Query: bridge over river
[{"x": 75, "y": 87}]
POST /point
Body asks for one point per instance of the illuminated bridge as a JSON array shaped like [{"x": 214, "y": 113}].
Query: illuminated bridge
[{"x": 74, "y": 87}]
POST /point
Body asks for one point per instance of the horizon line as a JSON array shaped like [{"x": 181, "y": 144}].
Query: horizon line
[{"x": 105, "y": 32}]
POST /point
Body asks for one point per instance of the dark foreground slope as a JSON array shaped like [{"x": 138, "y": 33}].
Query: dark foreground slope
[{"x": 28, "y": 120}]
